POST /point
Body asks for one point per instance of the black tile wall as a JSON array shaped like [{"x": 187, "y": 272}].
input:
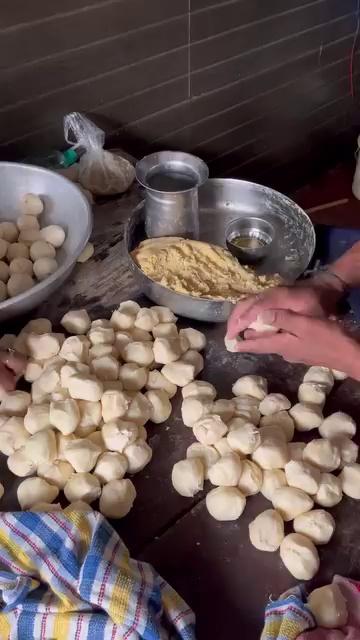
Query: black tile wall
[{"x": 257, "y": 88}]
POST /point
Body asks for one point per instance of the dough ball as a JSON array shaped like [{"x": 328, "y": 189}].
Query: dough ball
[
  {"x": 245, "y": 439},
  {"x": 157, "y": 382},
  {"x": 320, "y": 375},
  {"x": 338, "y": 375},
  {"x": 312, "y": 393},
  {"x": 8, "y": 232},
  {"x": 207, "y": 454},
  {"x": 266, "y": 532},
  {"x": 32, "y": 205},
  {"x": 296, "y": 450},
  {"x": 19, "y": 283},
  {"x": 118, "y": 434},
  {"x": 299, "y": 556},
  {"x": 194, "y": 358},
  {"x": 273, "y": 403},
  {"x": 87, "y": 253},
  {"x": 90, "y": 417},
  {"x": 101, "y": 350},
  {"x": 347, "y": 448},
  {"x": 111, "y": 466},
  {"x": 167, "y": 350},
  {"x": 226, "y": 471},
  {"x": 251, "y": 478},
  {"x": 254, "y": 386},
  {"x": 199, "y": 388},
  {"x": 318, "y": 525},
  {"x": 27, "y": 222},
  {"x": 193, "y": 409},
  {"x": 65, "y": 415},
  {"x": 247, "y": 407},
  {"x": 262, "y": 327},
  {"x": 15, "y": 403},
  {"x": 39, "y": 326},
  {"x": 272, "y": 431},
  {"x": 303, "y": 476},
  {"x": 271, "y": 454},
  {"x": 45, "y": 267},
  {"x": 164, "y": 314},
  {"x": 101, "y": 332},
  {"x": 28, "y": 236},
  {"x": 122, "y": 320},
  {"x": 329, "y": 493},
  {"x": 37, "y": 418},
  {"x": 165, "y": 330},
  {"x": 117, "y": 498},
  {"x": 82, "y": 486},
  {"x": 114, "y": 404},
  {"x": 71, "y": 369},
  {"x": 41, "y": 447},
  {"x": 78, "y": 505},
  {"x": 222, "y": 447},
  {"x": 13, "y": 434},
  {"x": 44, "y": 346},
  {"x": 231, "y": 344},
  {"x": 75, "y": 349},
  {"x": 19, "y": 265},
  {"x": 141, "y": 353},
  {"x": 225, "y": 503},
  {"x": 196, "y": 339},
  {"x": 41, "y": 249},
  {"x": 3, "y": 291},
  {"x": 272, "y": 479},
  {"x": 5, "y": 271},
  {"x": 179, "y": 373},
  {"x": 139, "y": 408},
  {"x": 338, "y": 424},
  {"x": 306, "y": 416},
  {"x": 350, "y": 480},
  {"x": 146, "y": 319},
  {"x": 188, "y": 477},
  {"x": 209, "y": 429},
  {"x": 139, "y": 335},
  {"x": 322, "y": 454},
  {"x": 85, "y": 387},
  {"x": 4, "y": 246},
  {"x": 57, "y": 472},
  {"x": 17, "y": 250},
  {"x": 33, "y": 490},
  {"x": 138, "y": 455},
  {"x": 82, "y": 454},
  {"x": 53, "y": 235},
  {"x": 160, "y": 406},
  {"x": 20, "y": 465},
  {"x": 328, "y": 606},
  {"x": 291, "y": 502},
  {"x": 76, "y": 321},
  {"x": 105, "y": 368}
]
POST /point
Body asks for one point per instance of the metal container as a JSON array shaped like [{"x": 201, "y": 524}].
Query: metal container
[
  {"x": 258, "y": 234},
  {"x": 64, "y": 205},
  {"x": 171, "y": 180},
  {"x": 220, "y": 202}
]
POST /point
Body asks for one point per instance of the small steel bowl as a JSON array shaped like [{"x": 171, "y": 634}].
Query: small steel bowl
[{"x": 250, "y": 228}]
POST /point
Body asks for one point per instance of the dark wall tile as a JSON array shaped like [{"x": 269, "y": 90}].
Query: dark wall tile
[{"x": 16, "y": 12}]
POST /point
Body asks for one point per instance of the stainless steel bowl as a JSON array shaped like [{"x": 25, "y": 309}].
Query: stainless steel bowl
[
  {"x": 257, "y": 235},
  {"x": 64, "y": 205}
]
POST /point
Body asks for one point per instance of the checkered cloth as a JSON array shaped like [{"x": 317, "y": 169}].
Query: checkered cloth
[{"x": 69, "y": 576}]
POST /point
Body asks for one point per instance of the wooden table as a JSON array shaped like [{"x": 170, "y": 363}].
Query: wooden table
[{"x": 212, "y": 565}]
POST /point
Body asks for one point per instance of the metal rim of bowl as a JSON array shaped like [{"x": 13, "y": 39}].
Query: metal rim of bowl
[
  {"x": 71, "y": 260},
  {"x": 203, "y": 174}
]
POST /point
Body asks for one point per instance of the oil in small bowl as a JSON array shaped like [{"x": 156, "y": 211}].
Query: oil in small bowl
[{"x": 249, "y": 239}]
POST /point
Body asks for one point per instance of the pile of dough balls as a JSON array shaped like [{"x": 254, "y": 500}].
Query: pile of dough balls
[
  {"x": 81, "y": 429},
  {"x": 246, "y": 445},
  {"x": 27, "y": 251}
]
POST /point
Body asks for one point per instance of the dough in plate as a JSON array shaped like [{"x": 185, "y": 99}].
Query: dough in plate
[
  {"x": 299, "y": 556},
  {"x": 266, "y": 532}
]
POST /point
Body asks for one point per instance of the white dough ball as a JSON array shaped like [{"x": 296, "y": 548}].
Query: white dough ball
[
  {"x": 196, "y": 339},
  {"x": 85, "y": 387},
  {"x": 54, "y": 235},
  {"x": 32, "y": 205},
  {"x": 138, "y": 455},
  {"x": 5, "y": 271},
  {"x": 37, "y": 418},
  {"x": 15, "y": 403},
  {"x": 244, "y": 439},
  {"x": 41, "y": 447},
  {"x": 271, "y": 454},
  {"x": 187, "y": 477},
  {"x": 328, "y": 606},
  {"x": 272, "y": 431},
  {"x": 321, "y": 375},
  {"x": 82, "y": 453},
  {"x": 39, "y": 326},
  {"x": 348, "y": 449},
  {"x": 199, "y": 388},
  {"x": 140, "y": 353},
  {"x": 179, "y": 373},
  {"x": 105, "y": 368},
  {"x": 350, "y": 480},
  {"x": 101, "y": 333},
  {"x": 225, "y": 503},
  {"x": 45, "y": 267},
  {"x": 266, "y": 532},
  {"x": 76, "y": 321},
  {"x": 194, "y": 358},
  {"x": 251, "y": 478},
  {"x": 329, "y": 493},
  {"x": 222, "y": 447},
  {"x": 4, "y": 245},
  {"x": 223, "y": 408},
  {"x": 339, "y": 375},
  {"x": 111, "y": 466},
  {"x": 167, "y": 350},
  {"x": 247, "y": 407},
  {"x": 193, "y": 409},
  {"x": 299, "y": 556},
  {"x": 209, "y": 430},
  {"x": 254, "y": 386},
  {"x": 75, "y": 349},
  {"x": 33, "y": 490},
  {"x": 82, "y": 486},
  {"x": 118, "y": 434},
  {"x": 206, "y": 453},
  {"x": 296, "y": 450},
  {"x": 42, "y": 347},
  {"x": 291, "y": 502},
  {"x": 272, "y": 479},
  {"x": 114, "y": 404},
  {"x": 57, "y": 472},
  {"x": 318, "y": 525},
  {"x": 146, "y": 319},
  {"x": 28, "y": 236},
  {"x": 133, "y": 377},
  {"x": 27, "y": 222},
  {"x": 322, "y": 454},
  {"x": 160, "y": 406},
  {"x": 87, "y": 253},
  {"x": 20, "y": 465},
  {"x": 9, "y": 231},
  {"x": 273, "y": 403},
  {"x": 139, "y": 408},
  {"x": 41, "y": 249},
  {"x": 17, "y": 250},
  {"x": 306, "y": 416},
  {"x": 157, "y": 381},
  {"x": 338, "y": 424},
  {"x": 139, "y": 335},
  {"x": 226, "y": 471},
  {"x": 90, "y": 417},
  {"x": 303, "y": 476},
  {"x": 312, "y": 393},
  {"x": 19, "y": 283},
  {"x": 164, "y": 314},
  {"x": 117, "y": 498},
  {"x": 19, "y": 265},
  {"x": 65, "y": 415},
  {"x": 165, "y": 330},
  {"x": 13, "y": 434}
]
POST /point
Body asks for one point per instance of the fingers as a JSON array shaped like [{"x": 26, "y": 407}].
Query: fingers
[
  {"x": 14, "y": 361},
  {"x": 288, "y": 321},
  {"x": 248, "y": 310},
  {"x": 7, "y": 378},
  {"x": 271, "y": 344},
  {"x": 235, "y": 323}
]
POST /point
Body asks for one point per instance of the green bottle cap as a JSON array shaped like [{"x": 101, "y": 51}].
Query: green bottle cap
[{"x": 69, "y": 157}]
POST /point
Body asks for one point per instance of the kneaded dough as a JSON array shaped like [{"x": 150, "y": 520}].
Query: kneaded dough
[
  {"x": 303, "y": 475},
  {"x": 281, "y": 419},
  {"x": 193, "y": 409},
  {"x": 299, "y": 556},
  {"x": 82, "y": 486},
  {"x": 338, "y": 424},
  {"x": 117, "y": 498},
  {"x": 296, "y": 450},
  {"x": 273, "y": 403},
  {"x": 312, "y": 393},
  {"x": 207, "y": 454},
  {"x": 179, "y": 373},
  {"x": 247, "y": 407},
  {"x": 321, "y": 375},
  {"x": 209, "y": 430},
  {"x": 18, "y": 283},
  {"x": 266, "y": 532},
  {"x": 350, "y": 480},
  {"x": 251, "y": 478},
  {"x": 317, "y": 524},
  {"x": 339, "y": 375},
  {"x": 199, "y": 388},
  {"x": 348, "y": 449},
  {"x": 328, "y": 606},
  {"x": 187, "y": 477},
  {"x": 33, "y": 490},
  {"x": 272, "y": 479},
  {"x": 250, "y": 385},
  {"x": 226, "y": 471},
  {"x": 291, "y": 502},
  {"x": 329, "y": 493},
  {"x": 225, "y": 503},
  {"x": 272, "y": 453},
  {"x": 322, "y": 454},
  {"x": 306, "y": 416}
]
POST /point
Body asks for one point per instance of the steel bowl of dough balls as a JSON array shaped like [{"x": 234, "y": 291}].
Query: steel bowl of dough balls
[{"x": 45, "y": 224}]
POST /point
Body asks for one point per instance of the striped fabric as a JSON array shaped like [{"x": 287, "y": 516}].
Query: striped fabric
[
  {"x": 285, "y": 619},
  {"x": 69, "y": 576}
]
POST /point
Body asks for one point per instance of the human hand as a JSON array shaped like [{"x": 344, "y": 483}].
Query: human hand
[
  {"x": 12, "y": 365},
  {"x": 305, "y": 299},
  {"x": 312, "y": 341}
]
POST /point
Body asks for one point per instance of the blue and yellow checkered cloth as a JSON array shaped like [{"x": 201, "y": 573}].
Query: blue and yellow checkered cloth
[{"x": 69, "y": 576}]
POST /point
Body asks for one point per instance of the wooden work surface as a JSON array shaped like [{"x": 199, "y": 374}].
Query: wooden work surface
[{"x": 212, "y": 565}]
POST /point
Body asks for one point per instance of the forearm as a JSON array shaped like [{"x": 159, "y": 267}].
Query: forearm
[{"x": 347, "y": 268}]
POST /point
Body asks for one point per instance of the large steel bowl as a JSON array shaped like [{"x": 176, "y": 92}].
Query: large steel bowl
[
  {"x": 64, "y": 205},
  {"x": 222, "y": 201}
]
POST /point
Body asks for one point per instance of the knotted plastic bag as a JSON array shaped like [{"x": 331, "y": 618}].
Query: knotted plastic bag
[{"x": 100, "y": 171}]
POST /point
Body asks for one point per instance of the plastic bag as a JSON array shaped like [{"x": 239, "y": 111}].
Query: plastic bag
[{"x": 100, "y": 171}]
